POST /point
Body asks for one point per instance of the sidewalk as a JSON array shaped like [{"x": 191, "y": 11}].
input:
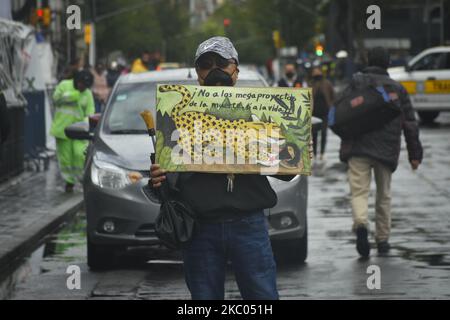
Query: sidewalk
[{"x": 32, "y": 205}]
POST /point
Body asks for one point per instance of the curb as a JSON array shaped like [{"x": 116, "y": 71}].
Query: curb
[{"x": 28, "y": 239}]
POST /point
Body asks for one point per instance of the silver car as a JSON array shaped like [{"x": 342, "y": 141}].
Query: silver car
[{"x": 120, "y": 213}]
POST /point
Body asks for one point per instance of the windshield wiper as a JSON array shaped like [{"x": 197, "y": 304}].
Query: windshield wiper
[{"x": 129, "y": 131}]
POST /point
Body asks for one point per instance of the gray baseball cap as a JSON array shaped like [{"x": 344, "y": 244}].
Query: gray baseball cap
[{"x": 220, "y": 45}]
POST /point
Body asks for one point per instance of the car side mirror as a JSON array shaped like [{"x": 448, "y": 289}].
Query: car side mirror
[
  {"x": 408, "y": 68},
  {"x": 93, "y": 121},
  {"x": 79, "y": 131}
]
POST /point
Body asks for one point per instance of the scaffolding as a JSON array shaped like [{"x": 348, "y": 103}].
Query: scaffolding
[{"x": 17, "y": 150}]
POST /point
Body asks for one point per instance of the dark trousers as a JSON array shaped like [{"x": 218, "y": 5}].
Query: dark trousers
[
  {"x": 244, "y": 242},
  {"x": 98, "y": 105},
  {"x": 323, "y": 137}
]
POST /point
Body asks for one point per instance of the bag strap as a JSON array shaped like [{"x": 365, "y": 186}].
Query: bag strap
[
  {"x": 168, "y": 186},
  {"x": 164, "y": 191}
]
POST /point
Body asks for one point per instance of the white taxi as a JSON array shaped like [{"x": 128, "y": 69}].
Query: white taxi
[{"x": 427, "y": 79}]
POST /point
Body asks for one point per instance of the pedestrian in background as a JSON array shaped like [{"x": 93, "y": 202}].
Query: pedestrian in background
[
  {"x": 379, "y": 151},
  {"x": 147, "y": 62},
  {"x": 70, "y": 70},
  {"x": 74, "y": 102},
  {"x": 113, "y": 74},
  {"x": 269, "y": 71},
  {"x": 100, "y": 88},
  {"x": 323, "y": 94},
  {"x": 290, "y": 78}
]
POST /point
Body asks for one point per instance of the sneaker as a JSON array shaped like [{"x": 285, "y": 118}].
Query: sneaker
[
  {"x": 383, "y": 247},
  {"x": 362, "y": 242}
]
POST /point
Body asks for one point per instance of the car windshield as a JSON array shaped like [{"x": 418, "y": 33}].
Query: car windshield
[
  {"x": 130, "y": 99},
  {"x": 434, "y": 61}
]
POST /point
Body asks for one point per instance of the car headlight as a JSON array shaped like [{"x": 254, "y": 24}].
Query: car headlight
[{"x": 107, "y": 175}]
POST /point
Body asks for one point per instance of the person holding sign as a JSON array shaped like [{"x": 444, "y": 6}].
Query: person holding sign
[{"x": 232, "y": 226}]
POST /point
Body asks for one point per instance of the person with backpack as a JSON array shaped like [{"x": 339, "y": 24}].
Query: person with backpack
[{"x": 378, "y": 150}]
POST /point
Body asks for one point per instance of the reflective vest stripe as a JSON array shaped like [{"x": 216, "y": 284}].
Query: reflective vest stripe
[
  {"x": 63, "y": 103},
  {"x": 69, "y": 111}
]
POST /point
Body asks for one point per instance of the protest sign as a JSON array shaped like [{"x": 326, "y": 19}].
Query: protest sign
[{"x": 233, "y": 129}]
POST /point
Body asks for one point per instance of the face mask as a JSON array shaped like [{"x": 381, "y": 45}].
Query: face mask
[
  {"x": 218, "y": 77},
  {"x": 290, "y": 75},
  {"x": 317, "y": 78}
]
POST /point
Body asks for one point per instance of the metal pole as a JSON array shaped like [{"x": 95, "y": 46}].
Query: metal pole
[
  {"x": 442, "y": 22},
  {"x": 92, "y": 46},
  {"x": 427, "y": 11},
  {"x": 63, "y": 21},
  {"x": 351, "y": 55}
]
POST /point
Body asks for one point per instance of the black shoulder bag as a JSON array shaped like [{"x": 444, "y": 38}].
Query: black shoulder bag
[{"x": 175, "y": 223}]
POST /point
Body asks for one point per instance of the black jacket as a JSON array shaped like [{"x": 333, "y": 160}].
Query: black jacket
[
  {"x": 384, "y": 144},
  {"x": 207, "y": 195}
]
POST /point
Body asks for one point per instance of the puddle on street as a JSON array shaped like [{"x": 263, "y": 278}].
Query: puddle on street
[
  {"x": 432, "y": 259},
  {"x": 67, "y": 245}
]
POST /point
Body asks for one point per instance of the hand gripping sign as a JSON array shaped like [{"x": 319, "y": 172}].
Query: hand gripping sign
[{"x": 233, "y": 130}]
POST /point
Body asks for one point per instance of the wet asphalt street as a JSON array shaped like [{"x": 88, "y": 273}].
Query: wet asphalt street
[{"x": 418, "y": 266}]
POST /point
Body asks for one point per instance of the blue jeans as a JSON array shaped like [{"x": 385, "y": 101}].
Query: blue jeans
[{"x": 245, "y": 242}]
